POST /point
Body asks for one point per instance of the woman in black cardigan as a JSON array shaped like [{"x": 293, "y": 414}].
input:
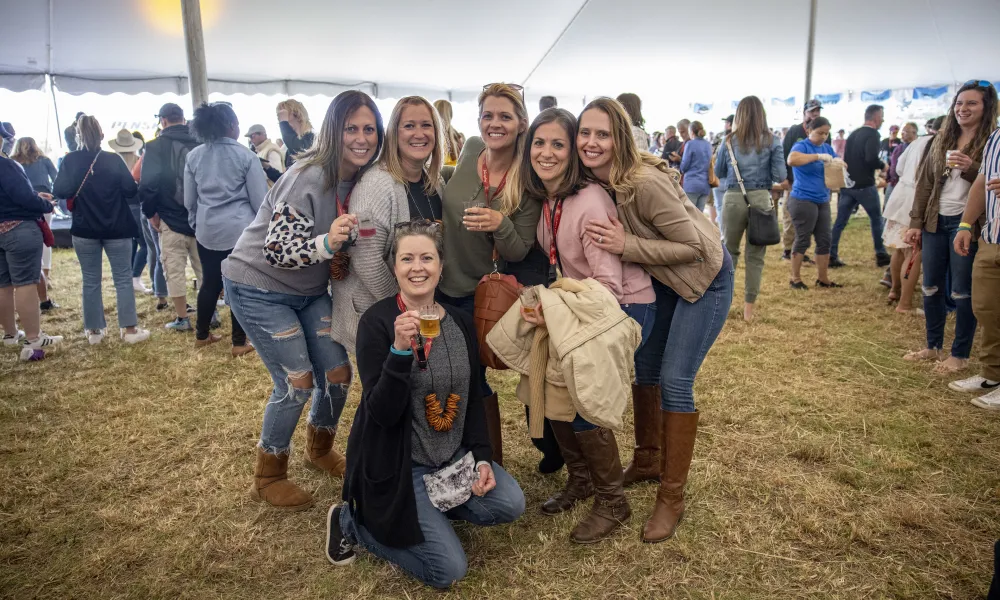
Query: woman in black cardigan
[{"x": 421, "y": 412}]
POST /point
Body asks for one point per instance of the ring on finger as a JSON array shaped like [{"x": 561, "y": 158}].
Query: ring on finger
[{"x": 600, "y": 240}]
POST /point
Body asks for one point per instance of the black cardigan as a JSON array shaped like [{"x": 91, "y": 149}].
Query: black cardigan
[{"x": 378, "y": 484}]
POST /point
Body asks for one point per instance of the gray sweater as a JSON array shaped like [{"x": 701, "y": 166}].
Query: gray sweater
[
  {"x": 283, "y": 250},
  {"x": 370, "y": 279},
  {"x": 447, "y": 372}
]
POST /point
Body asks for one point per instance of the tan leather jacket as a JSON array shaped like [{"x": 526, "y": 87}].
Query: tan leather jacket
[
  {"x": 667, "y": 234},
  {"x": 583, "y": 359}
]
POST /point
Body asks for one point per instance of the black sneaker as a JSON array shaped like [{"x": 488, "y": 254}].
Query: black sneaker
[
  {"x": 47, "y": 305},
  {"x": 786, "y": 255},
  {"x": 191, "y": 310},
  {"x": 162, "y": 305},
  {"x": 339, "y": 551},
  {"x": 836, "y": 263},
  {"x": 828, "y": 285},
  {"x": 550, "y": 463},
  {"x": 798, "y": 285},
  {"x": 883, "y": 260},
  {"x": 807, "y": 260}
]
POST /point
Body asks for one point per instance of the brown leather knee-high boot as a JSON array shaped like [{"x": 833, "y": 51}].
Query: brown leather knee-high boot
[
  {"x": 678, "y": 432},
  {"x": 578, "y": 484},
  {"x": 645, "y": 465},
  {"x": 611, "y": 508},
  {"x": 491, "y": 404}
]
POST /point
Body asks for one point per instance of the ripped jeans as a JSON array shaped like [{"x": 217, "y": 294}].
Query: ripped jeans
[
  {"x": 939, "y": 258},
  {"x": 292, "y": 337}
]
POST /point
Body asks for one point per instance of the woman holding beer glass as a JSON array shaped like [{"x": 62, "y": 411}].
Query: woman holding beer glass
[
  {"x": 276, "y": 284},
  {"x": 419, "y": 452},
  {"x": 554, "y": 178},
  {"x": 693, "y": 279},
  {"x": 485, "y": 222},
  {"x": 405, "y": 185},
  {"x": 943, "y": 184}
]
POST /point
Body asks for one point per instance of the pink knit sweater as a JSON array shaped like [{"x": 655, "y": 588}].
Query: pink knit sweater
[{"x": 581, "y": 258}]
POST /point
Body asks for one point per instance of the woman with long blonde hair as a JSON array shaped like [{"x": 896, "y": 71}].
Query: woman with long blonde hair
[
  {"x": 42, "y": 174},
  {"x": 658, "y": 228},
  {"x": 483, "y": 213},
  {"x": 405, "y": 185},
  {"x": 296, "y": 130},
  {"x": 454, "y": 140}
]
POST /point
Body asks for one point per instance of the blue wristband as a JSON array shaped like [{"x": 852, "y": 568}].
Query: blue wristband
[
  {"x": 326, "y": 243},
  {"x": 400, "y": 352}
]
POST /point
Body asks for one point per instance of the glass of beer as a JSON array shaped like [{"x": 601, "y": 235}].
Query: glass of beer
[
  {"x": 529, "y": 299},
  {"x": 430, "y": 321}
]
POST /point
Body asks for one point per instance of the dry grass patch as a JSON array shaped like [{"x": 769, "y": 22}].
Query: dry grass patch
[{"x": 826, "y": 466}]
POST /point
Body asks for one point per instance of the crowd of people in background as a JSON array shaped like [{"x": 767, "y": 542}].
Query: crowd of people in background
[{"x": 377, "y": 238}]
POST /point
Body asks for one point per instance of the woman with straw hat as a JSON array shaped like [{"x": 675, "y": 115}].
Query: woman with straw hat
[{"x": 128, "y": 148}]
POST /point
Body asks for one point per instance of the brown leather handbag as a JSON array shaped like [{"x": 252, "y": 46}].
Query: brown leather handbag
[{"x": 495, "y": 294}]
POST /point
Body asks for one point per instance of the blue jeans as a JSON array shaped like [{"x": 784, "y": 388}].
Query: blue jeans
[
  {"x": 645, "y": 316},
  {"x": 939, "y": 257},
  {"x": 717, "y": 195},
  {"x": 292, "y": 337},
  {"x": 153, "y": 259},
  {"x": 89, "y": 253},
  {"x": 468, "y": 304},
  {"x": 848, "y": 200},
  {"x": 699, "y": 200},
  {"x": 683, "y": 333},
  {"x": 139, "y": 244},
  {"x": 439, "y": 560}
]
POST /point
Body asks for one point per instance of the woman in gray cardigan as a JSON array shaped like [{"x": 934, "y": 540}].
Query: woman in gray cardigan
[{"x": 405, "y": 185}]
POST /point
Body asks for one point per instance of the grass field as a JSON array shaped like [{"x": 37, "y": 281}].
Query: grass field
[{"x": 826, "y": 467}]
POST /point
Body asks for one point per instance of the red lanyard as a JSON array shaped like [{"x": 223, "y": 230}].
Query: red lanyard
[
  {"x": 425, "y": 351},
  {"x": 342, "y": 208},
  {"x": 486, "y": 183},
  {"x": 552, "y": 224}
]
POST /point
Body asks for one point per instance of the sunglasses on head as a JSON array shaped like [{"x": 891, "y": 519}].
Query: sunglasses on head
[
  {"x": 979, "y": 83},
  {"x": 417, "y": 223},
  {"x": 514, "y": 86}
]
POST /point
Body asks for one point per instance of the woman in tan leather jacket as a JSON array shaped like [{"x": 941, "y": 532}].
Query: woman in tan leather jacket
[{"x": 658, "y": 228}]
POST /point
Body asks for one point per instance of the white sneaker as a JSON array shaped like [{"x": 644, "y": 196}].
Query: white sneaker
[
  {"x": 138, "y": 286},
  {"x": 990, "y": 401},
  {"x": 972, "y": 384},
  {"x": 140, "y": 335},
  {"x": 95, "y": 336},
  {"x": 13, "y": 340},
  {"x": 44, "y": 341}
]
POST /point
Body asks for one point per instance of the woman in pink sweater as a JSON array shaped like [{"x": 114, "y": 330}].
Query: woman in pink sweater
[{"x": 554, "y": 177}]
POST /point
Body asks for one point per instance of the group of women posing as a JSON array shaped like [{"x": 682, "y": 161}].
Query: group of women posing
[{"x": 402, "y": 236}]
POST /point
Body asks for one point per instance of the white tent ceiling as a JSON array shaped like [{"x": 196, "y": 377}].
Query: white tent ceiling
[{"x": 708, "y": 49}]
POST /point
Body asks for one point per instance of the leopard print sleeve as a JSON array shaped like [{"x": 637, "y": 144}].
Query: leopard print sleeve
[{"x": 289, "y": 243}]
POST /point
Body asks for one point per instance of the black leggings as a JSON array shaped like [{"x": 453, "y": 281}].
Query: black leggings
[{"x": 208, "y": 294}]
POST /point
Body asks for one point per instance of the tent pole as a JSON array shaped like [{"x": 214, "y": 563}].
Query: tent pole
[
  {"x": 55, "y": 109},
  {"x": 583, "y": 5},
  {"x": 194, "y": 40},
  {"x": 811, "y": 51}
]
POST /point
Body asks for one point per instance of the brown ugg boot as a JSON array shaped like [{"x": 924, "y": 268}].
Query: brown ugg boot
[
  {"x": 491, "y": 404},
  {"x": 578, "y": 485},
  {"x": 610, "y": 508},
  {"x": 678, "y": 435},
  {"x": 320, "y": 453},
  {"x": 271, "y": 484},
  {"x": 645, "y": 465}
]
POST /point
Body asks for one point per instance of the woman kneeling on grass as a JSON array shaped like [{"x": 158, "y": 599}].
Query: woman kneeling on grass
[{"x": 418, "y": 453}]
